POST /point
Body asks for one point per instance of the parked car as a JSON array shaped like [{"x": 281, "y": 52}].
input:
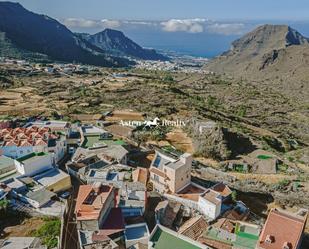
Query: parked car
[{"x": 65, "y": 195}]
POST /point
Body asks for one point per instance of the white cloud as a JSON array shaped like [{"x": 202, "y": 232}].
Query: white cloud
[
  {"x": 184, "y": 25},
  {"x": 203, "y": 25},
  {"x": 110, "y": 23},
  {"x": 196, "y": 25},
  {"x": 226, "y": 28},
  {"x": 144, "y": 23},
  {"x": 85, "y": 23}
]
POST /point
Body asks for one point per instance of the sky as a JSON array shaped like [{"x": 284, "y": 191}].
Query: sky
[
  {"x": 166, "y": 9},
  {"x": 196, "y": 27}
]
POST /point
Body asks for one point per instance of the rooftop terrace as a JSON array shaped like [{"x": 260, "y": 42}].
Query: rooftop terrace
[
  {"x": 93, "y": 141},
  {"x": 164, "y": 238}
]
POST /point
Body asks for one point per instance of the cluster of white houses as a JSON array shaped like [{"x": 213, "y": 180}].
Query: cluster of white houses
[
  {"x": 114, "y": 199},
  {"x": 29, "y": 158}
]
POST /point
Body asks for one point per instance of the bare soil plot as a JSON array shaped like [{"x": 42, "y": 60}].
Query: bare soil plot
[
  {"x": 179, "y": 139},
  {"x": 125, "y": 116},
  {"x": 21, "y": 229},
  {"x": 119, "y": 130}
]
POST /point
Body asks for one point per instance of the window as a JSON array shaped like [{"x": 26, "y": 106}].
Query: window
[{"x": 156, "y": 178}]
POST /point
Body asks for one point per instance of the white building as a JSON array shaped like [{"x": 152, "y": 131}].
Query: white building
[
  {"x": 53, "y": 125},
  {"x": 34, "y": 163},
  {"x": 210, "y": 204},
  {"x": 168, "y": 174}
]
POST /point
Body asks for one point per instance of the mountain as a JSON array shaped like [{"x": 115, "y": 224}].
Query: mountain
[
  {"x": 117, "y": 43},
  {"x": 24, "y": 33},
  {"x": 274, "y": 54}
]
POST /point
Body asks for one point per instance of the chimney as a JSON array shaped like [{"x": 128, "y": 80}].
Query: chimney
[
  {"x": 287, "y": 245},
  {"x": 269, "y": 239}
]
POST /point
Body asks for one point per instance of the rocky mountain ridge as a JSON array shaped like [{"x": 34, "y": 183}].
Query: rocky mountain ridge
[{"x": 115, "y": 42}]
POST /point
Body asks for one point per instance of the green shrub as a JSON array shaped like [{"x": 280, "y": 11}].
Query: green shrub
[{"x": 49, "y": 232}]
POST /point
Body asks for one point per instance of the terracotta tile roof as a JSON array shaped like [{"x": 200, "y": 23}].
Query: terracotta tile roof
[
  {"x": 24, "y": 143},
  {"x": 22, "y": 136},
  {"x": 225, "y": 224},
  {"x": 282, "y": 228},
  {"x": 10, "y": 143},
  {"x": 212, "y": 196},
  {"x": 25, "y": 136},
  {"x": 223, "y": 189},
  {"x": 192, "y": 189},
  {"x": 6, "y": 131},
  {"x": 194, "y": 227},
  {"x": 214, "y": 244},
  {"x": 90, "y": 201},
  {"x": 37, "y": 135},
  {"x": 192, "y": 197},
  {"x": 8, "y": 136},
  {"x": 40, "y": 142}
]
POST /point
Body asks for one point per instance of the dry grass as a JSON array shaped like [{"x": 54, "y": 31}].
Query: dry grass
[{"x": 265, "y": 178}]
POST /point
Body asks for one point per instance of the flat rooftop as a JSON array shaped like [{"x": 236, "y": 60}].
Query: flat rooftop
[
  {"x": 91, "y": 141},
  {"x": 165, "y": 238},
  {"x": 160, "y": 160},
  {"x": 31, "y": 156},
  {"x": 50, "y": 177},
  {"x": 90, "y": 200},
  {"x": 50, "y": 124},
  {"x": 6, "y": 162},
  {"x": 92, "y": 130}
]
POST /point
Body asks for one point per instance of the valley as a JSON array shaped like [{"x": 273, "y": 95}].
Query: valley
[{"x": 108, "y": 144}]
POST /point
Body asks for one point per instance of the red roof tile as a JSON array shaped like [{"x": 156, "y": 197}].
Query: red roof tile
[
  {"x": 223, "y": 189},
  {"x": 40, "y": 142},
  {"x": 281, "y": 229},
  {"x": 24, "y": 143},
  {"x": 90, "y": 201}
]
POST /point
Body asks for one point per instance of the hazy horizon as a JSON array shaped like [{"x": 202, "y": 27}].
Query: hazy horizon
[{"x": 197, "y": 27}]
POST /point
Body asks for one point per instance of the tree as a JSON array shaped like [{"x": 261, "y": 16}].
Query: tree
[{"x": 234, "y": 195}]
